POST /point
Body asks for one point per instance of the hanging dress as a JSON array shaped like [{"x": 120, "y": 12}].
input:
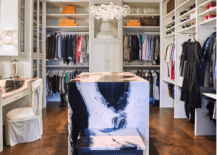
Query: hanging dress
[{"x": 190, "y": 93}]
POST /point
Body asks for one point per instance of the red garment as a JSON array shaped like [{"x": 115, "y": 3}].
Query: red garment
[
  {"x": 172, "y": 71},
  {"x": 172, "y": 65},
  {"x": 78, "y": 52}
]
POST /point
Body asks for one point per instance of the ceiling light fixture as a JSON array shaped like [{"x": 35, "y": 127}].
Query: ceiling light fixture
[{"x": 107, "y": 12}]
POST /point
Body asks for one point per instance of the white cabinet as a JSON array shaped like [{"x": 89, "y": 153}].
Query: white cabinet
[
  {"x": 106, "y": 51},
  {"x": 98, "y": 52},
  {"x": 105, "y": 57},
  {"x": 113, "y": 57}
]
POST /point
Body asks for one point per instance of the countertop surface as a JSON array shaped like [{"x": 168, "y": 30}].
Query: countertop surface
[
  {"x": 108, "y": 77},
  {"x": 24, "y": 87}
]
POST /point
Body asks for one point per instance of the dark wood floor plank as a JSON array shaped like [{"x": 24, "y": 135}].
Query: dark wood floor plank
[{"x": 168, "y": 136}]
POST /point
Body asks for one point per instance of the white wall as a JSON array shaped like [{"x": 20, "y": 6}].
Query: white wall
[{"x": 25, "y": 61}]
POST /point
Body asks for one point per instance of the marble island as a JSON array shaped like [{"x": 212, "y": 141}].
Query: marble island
[{"x": 108, "y": 112}]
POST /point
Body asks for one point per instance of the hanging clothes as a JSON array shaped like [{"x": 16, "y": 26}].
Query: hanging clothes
[
  {"x": 208, "y": 64},
  {"x": 141, "y": 48},
  {"x": 170, "y": 60},
  {"x": 190, "y": 92},
  {"x": 69, "y": 47}
]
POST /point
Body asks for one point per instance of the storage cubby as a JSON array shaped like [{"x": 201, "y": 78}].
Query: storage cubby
[{"x": 54, "y": 16}]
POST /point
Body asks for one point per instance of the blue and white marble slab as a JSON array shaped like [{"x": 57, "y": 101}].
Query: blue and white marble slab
[{"x": 113, "y": 108}]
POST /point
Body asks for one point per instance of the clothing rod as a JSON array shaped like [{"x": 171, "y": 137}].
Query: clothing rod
[
  {"x": 59, "y": 66},
  {"x": 142, "y": 33},
  {"x": 189, "y": 33},
  {"x": 67, "y": 32}
]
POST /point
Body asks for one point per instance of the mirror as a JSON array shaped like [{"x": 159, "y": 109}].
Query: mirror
[{"x": 9, "y": 27}]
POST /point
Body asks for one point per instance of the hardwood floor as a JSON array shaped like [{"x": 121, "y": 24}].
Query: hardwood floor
[{"x": 167, "y": 135}]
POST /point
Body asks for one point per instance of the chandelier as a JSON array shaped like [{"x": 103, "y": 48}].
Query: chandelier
[{"x": 107, "y": 12}]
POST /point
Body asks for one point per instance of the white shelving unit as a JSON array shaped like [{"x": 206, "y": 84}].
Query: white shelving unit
[
  {"x": 68, "y": 28},
  {"x": 171, "y": 22},
  {"x": 201, "y": 31},
  {"x": 140, "y": 66},
  {"x": 136, "y": 16},
  {"x": 142, "y": 28}
]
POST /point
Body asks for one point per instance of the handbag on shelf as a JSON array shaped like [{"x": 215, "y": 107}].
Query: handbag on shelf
[{"x": 149, "y": 21}]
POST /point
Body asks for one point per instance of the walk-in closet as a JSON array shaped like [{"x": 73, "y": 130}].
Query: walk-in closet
[{"x": 108, "y": 77}]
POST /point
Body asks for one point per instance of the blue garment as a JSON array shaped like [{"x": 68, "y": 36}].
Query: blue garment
[
  {"x": 130, "y": 48},
  {"x": 140, "y": 47},
  {"x": 174, "y": 59},
  {"x": 146, "y": 47},
  {"x": 56, "y": 48},
  {"x": 202, "y": 69}
]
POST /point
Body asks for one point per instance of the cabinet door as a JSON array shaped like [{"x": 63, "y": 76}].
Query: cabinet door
[
  {"x": 97, "y": 60},
  {"x": 113, "y": 57},
  {"x": 22, "y": 24},
  {"x": 35, "y": 68}
]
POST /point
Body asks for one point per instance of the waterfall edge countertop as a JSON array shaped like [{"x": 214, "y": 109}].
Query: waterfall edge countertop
[
  {"x": 24, "y": 86},
  {"x": 108, "y": 112},
  {"x": 108, "y": 77}
]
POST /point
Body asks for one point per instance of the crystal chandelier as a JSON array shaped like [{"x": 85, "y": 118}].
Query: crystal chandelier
[{"x": 107, "y": 12}]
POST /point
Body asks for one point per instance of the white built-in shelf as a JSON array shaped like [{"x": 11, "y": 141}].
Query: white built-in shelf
[
  {"x": 67, "y": 66},
  {"x": 170, "y": 14},
  {"x": 137, "y": 16},
  {"x": 67, "y": 28},
  {"x": 179, "y": 84},
  {"x": 169, "y": 81},
  {"x": 169, "y": 23},
  {"x": 140, "y": 66},
  {"x": 59, "y": 4},
  {"x": 204, "y": 4},
  {"x": 170, "y": 29},
  {"x": 209, "y": 22},
  {"x": 66, "y": 16},
  {"x": 210, "y": 11},
  {"x": 186, "y": 4},
  {"x": 187, "y": 13},
  {"x": 170, "y": 36},
  {"x": 190, "y": 29},
  {"x": 211, "y": 95},
  {"x": 187, "y": 21},
  {"x": 143, "y": 28}
]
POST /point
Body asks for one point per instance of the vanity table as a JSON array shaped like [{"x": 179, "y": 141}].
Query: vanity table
[
  {"x": 7, "y": 97},
  {"x": 108, "y": 113}
]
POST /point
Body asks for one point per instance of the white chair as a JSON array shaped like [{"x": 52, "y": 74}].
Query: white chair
[{"x": 25, "y": 124}]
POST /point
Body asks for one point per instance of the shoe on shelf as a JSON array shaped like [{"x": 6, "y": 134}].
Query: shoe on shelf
[
  {"x": 194, "y": 5},
  {"x": 207, "y": 7},
  {"x": 191, "y": 7},
  {"x": 206, "y": 17},
  {"x": 212, "y": 5},
  {"x": 183, "y": 26},
  {"x": 210, "y": 16},
  {"x": 193, "y": 23}
]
